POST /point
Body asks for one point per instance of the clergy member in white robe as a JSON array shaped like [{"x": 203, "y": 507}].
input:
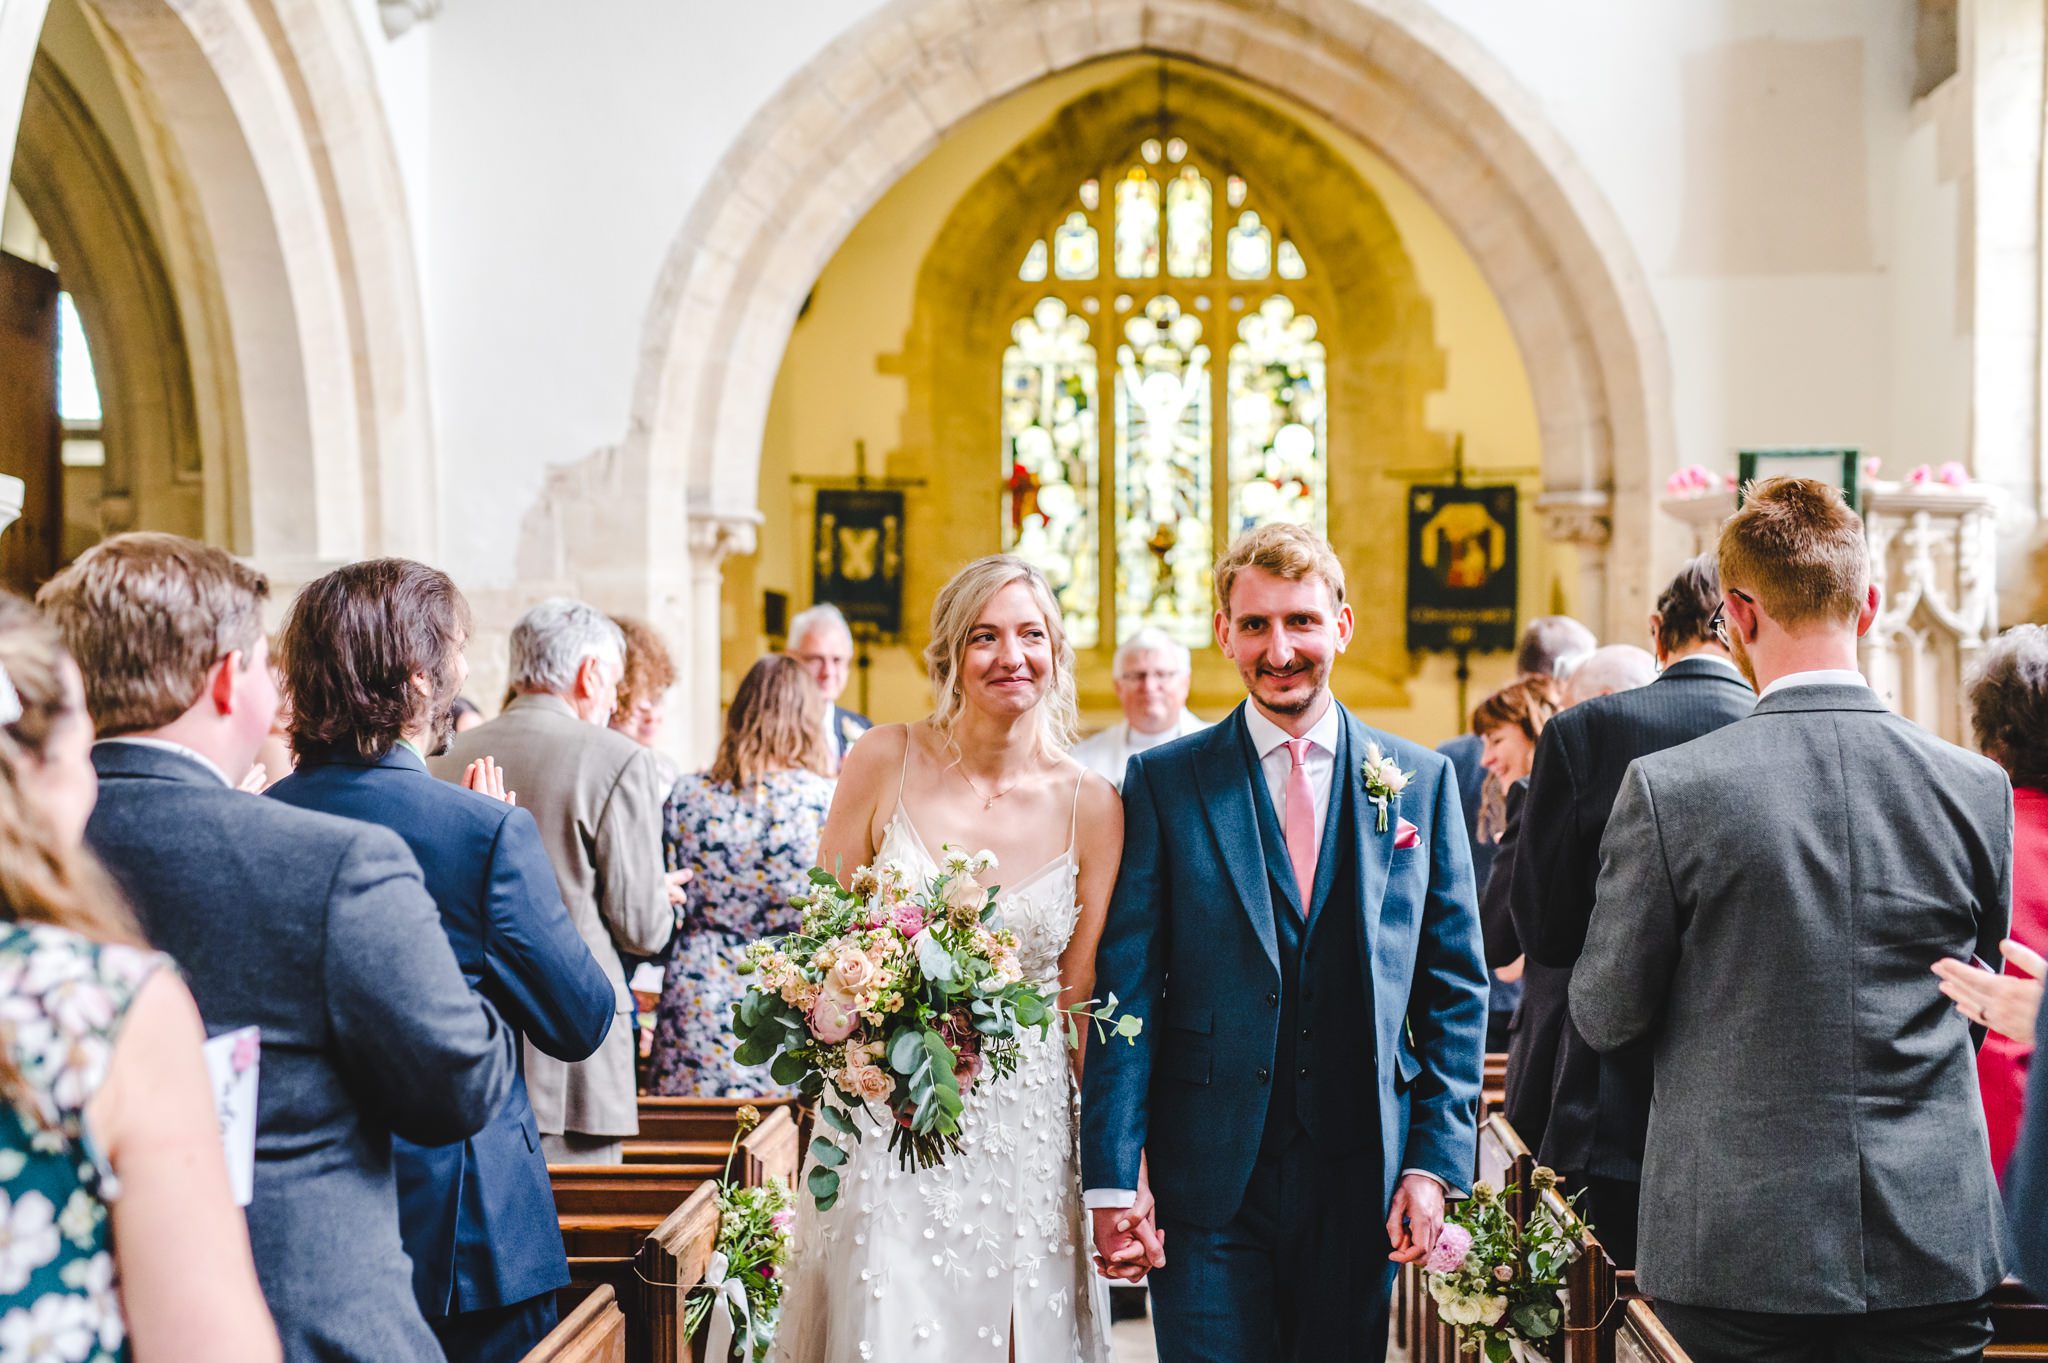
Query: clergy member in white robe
[{"x": 1152, "y": 672}]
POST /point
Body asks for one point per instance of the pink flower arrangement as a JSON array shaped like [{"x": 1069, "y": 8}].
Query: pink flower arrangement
[
  {"x": 1920, "y": 475},
  {"x": 1697, "y": 480},
  {"x": 1954, "y": 474}
]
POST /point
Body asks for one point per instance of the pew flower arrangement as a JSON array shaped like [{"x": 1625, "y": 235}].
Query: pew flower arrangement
[
  {"x": 743, "y": 1279},
  {"x": 896, "y": 995},
  {"x": 1498, "y": 1281}
]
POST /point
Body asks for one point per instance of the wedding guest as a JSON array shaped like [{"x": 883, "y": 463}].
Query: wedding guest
[
  {"x": 373, "y": 659},
  {"x": 1151, "y": 672},
  {"x": 749, "y": 829},
  {"x": 1596, "y": 1108},
  {"x": 1552, "y": 644},
  {"x": 1606, "y": 670},
  {"x": 644, "y": 683},
  {"x": 108, "y": 1111},
  {"x": 1816, "y": 1181},
  {"x": 822, "y": 641},
  {"x": 315, "y": 929},
  {"x": 2008, "y": 697},
  {"x": 597, "y": 796},
  {"x": 1507, "y": 725}
]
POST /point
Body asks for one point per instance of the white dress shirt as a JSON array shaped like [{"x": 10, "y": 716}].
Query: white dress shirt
[
  {"x": 179, "y": 748},
  {"x": 1826, "y": 676},
  {"x": 1269, "y": 740},
  {"x": 1108, "y": 753}
]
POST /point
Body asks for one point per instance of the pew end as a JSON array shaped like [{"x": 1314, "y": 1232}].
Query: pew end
[{"x": 595, "y": 1332}]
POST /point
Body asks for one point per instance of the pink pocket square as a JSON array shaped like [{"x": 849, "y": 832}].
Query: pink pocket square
[{"x": 1406, "y": 835}]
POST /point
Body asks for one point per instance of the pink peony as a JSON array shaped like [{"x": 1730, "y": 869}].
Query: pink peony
[
  {"x": 968, "y": 1070},
  {"x": 783, "y": 1219},
  {"x": 832, "y": 1017},
  {"x": 908, "y": 919},
  {"x": 1453, "y": 1243},
  {"x": 1954, "y": 474},
  {"x": 1920, "y": 475}
]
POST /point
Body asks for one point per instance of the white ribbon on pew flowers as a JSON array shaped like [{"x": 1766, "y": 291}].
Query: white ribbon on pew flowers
[
  {"x": 741, "y": 1291},
  {"x": 1499, "y": 1281}
]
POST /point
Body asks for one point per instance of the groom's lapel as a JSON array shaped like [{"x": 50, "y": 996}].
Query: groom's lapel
[
  {"x": 1225, "y": 774},
  {"x": 1372, "y": 850}
]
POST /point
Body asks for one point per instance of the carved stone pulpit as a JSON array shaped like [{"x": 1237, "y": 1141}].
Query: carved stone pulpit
[{"x": 1933, "y": 551}]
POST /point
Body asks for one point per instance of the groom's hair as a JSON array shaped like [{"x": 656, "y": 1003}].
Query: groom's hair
[
  {"x": 1284, "y": 550},
  {"x": 1797, "y": 547}
]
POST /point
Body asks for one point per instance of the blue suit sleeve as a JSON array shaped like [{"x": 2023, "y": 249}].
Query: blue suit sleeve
[
  {"x": 422, "y": 1049},
  {"x": 1130, "y": 962},
  {"x": 1447, "y": 1007},
  {"x": 536, "y": 967}
]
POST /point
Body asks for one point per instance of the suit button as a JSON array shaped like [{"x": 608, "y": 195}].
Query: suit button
[
  {"x": 1272, "y": 1000},
  {"x": 1304, "y": 1071},
  {"x": 1263, "y": 1075},
  {"x": 1304, "y": 1034}
]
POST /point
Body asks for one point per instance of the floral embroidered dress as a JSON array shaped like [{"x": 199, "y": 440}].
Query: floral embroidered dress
[
  {"x": 63, "y": 998},
  {"x": 751, "y": 851}
]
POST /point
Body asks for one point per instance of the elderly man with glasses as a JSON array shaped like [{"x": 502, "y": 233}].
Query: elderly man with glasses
[{"x": 1152, "y": 672}]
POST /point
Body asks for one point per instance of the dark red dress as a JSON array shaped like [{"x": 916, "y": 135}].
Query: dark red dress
[{"x": 2002, "y": 1064}]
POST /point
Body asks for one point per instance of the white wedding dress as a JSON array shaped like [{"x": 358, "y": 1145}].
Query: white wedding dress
[{"x": 986, "y": 1256}]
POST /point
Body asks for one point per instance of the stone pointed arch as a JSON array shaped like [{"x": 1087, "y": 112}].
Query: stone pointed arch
[{"x": 1401, "y": 78}]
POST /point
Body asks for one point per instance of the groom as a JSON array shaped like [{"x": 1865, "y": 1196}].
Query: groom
[{"x": 1302, "y": 942}]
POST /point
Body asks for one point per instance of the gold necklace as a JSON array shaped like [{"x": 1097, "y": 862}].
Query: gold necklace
[{"x": 987, "y": 801}]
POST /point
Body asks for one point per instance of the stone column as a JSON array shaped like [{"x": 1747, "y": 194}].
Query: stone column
[
  {"x": 712, "y": 539},
  {"x": 1584, "y": 518}
]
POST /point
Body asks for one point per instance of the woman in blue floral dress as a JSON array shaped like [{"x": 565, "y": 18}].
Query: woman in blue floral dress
[
  {"x": 749, "y": 830},
  {"x": 118, "y": 1233}
]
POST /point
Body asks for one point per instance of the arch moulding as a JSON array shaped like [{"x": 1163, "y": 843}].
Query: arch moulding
[{"x": 1402, "y": 79}]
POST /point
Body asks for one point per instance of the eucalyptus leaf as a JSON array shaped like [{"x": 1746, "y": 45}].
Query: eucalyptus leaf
[
  {"x": 787, "y": 1068},
  {"x": 905, "y": 1049},
  {"x": 933, "y": 959},
  {"x": 755, "y": 1050},
  {"x": 836, "y": 1119},
  {"x": 826, "y": 1153},
  {"x": 824, "y": 1185}
]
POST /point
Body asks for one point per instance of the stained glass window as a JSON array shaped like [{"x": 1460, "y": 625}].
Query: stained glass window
[
  {"x": 1137, "y": 225},
  {"x": 1277, "y": 397},
  {"x": 1050, "y": 434},
  {"x": 1199, "y": 446}
]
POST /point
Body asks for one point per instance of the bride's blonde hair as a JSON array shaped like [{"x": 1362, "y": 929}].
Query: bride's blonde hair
[{"x": 954, "y": 612}]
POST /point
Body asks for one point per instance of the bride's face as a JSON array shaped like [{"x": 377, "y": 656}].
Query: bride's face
[{"x": 1008, "y": 663}]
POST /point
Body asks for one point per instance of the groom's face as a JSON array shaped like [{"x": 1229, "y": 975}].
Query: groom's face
[{"x": 1283, "y": 634}]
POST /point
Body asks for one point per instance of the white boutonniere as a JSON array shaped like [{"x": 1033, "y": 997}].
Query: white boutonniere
[
  {"x": 849, "y": 730},
  {"x": 1384, "y": 781}
]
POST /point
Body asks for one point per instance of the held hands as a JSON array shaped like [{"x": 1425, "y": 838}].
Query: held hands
[
  {"x": 2007, "y": 1004},
  {"x": 486, "y": 778},
  {"x": 1128, "y": 1241},
  {"x": 678, "y": 897},
  {"x": 1417, "y": 1216}
]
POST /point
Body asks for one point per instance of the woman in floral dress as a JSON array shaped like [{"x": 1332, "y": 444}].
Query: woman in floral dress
[
  {"x": 749, "y": 829},
  {"x": 118, "y": 1233}
]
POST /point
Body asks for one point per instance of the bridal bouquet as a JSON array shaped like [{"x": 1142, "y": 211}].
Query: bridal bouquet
[
  {"x": 893, "y": 993},
  {"x": 1496, "y": 1280}
]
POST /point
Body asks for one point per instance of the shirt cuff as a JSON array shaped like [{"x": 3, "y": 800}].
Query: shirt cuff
[
  {"x": 1103, "y": 1198},
  {"x": 1424, "y": 1173}
]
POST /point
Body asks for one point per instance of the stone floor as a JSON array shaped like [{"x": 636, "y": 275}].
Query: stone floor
[{"x": 1131, "y": 1342}]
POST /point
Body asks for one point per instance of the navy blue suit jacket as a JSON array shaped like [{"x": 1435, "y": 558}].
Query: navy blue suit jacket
[
  {"x": 1190, "y": 947},
  {"x": 478, "y": 1218}
]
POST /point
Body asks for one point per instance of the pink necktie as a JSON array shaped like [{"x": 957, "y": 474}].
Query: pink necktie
[{"x": 1299, "y": 822}]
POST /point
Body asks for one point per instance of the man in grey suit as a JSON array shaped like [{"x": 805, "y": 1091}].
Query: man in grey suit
[
  {"x": 316, "y": 929},
  {"x": 597, "y": 796},
  {"x": 1817, "y": 1183}
]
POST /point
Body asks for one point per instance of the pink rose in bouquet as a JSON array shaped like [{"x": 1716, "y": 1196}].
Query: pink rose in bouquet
[
  {"x": 907, "y": 919},
  {"x": 1453, "y": 1243},
  {"x": 832, "y": 1017}
]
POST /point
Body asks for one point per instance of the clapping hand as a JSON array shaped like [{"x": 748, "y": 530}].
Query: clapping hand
[
  {"x": 486, "y": 777},
  {"x": 1417, "y": 1217},
  {"x": 2007, "y": 1004}
]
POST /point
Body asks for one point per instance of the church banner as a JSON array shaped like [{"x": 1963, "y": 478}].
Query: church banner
[
  {"x": 1461, "y": 568},
  {"x": 857, "y": 558}
]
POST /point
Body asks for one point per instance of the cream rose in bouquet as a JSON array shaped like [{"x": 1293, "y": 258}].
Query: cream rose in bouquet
[{"x": 894, "y": 995}]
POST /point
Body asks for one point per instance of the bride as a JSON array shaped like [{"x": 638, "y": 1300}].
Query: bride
[{"x": 986, "y": 1255}]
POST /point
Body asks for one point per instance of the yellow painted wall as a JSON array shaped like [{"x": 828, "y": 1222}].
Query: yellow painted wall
[{"x": 837, "y": 386}]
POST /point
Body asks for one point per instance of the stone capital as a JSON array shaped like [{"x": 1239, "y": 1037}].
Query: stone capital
[
  {"x": 399, "y": 16},
  {"x": 1583, "y": 516},
  {"x": 715, "y": 538}
]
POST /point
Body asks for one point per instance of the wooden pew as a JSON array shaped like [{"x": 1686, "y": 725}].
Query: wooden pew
[
  {"x": 1642, "y": 1338},
  {"x": 606, "y": 1210},
  {"x": 595, "y": 1332},
  {"x": 1493, "y": 1085},
  {"x": 698, "y": 1119},
  {"x": 2019, "y": 1323},
  {"x": 670, "y": 1263}
]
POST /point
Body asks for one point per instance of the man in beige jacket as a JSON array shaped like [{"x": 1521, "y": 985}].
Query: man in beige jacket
[{"x": 597, "y": 796}]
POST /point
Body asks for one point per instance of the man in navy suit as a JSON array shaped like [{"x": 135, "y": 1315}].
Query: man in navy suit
[
  {"x": 1295, "y": 923},
  {"x": 373, "y": 660}
]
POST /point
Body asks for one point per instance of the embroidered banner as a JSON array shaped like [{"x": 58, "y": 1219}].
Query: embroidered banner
[{"x": 1462, "y": 568}]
